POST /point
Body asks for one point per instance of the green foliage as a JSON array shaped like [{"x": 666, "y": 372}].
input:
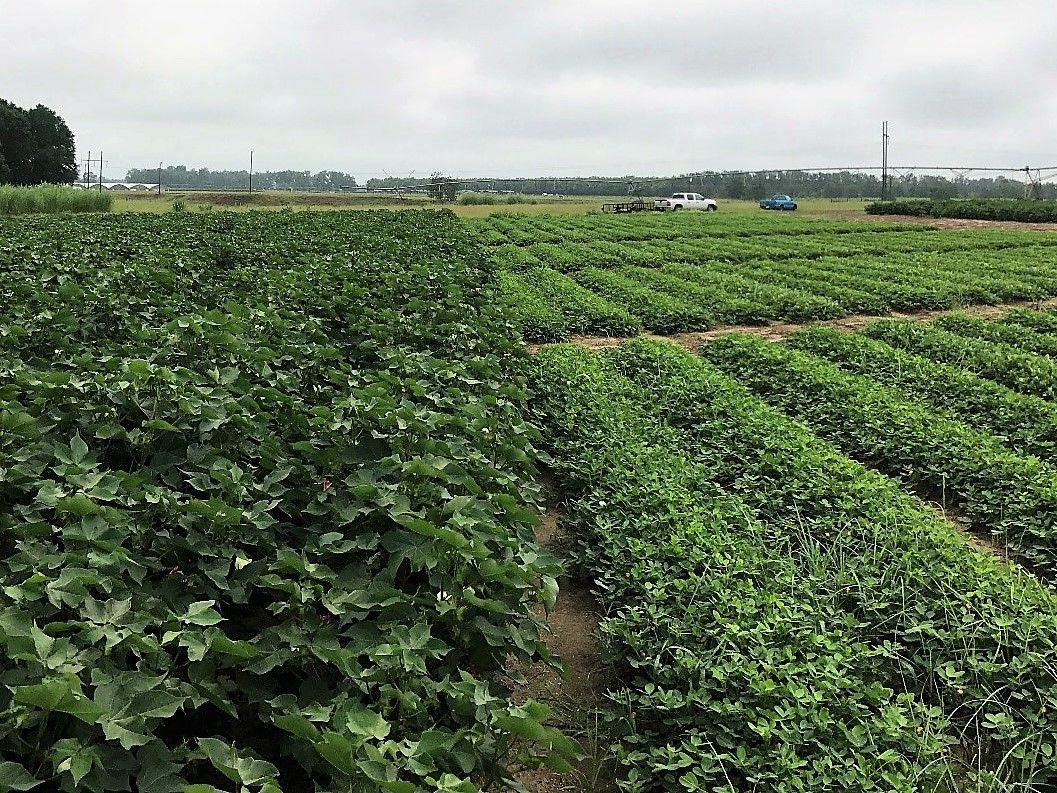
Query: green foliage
[
  {"x": 1014, "y": 335},
  {"x": 36, "y": 146},
  {"x": 267, "y": 507},
  {"x": 52, "y": 199},
  {"x": 968, "y": 634},
  {"x": 1039, "y": 321},
  {"x": 1026, "y": 424},
  {"x": 1010, "y": 496},
  {"x": 753, "y": 573},
  {"x": 724, "y": 644},
  {"x": 549, "y": 306},
  {"x": 1027, "y": 210},
  {"x": 658, "y": 311},
  {"x": 723, "y": 299},
  {"x": 776, "y": 300},
  {"x": 686, "y": 271},
  {"x": 1024, "y": 372}
]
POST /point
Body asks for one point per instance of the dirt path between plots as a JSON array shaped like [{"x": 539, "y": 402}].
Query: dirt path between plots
[
  {"x": 576, "y": 698},
  {"x": 955, "y": 515},
  {"x": 777, "y": 331},
  {"x": 965, "y": 223}
]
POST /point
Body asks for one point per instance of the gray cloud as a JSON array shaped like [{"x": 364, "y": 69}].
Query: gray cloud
[{"x": 551, "y": 86}]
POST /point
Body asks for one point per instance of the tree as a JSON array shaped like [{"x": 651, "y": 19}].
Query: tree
[
  {"x": 35, "y": 146},
  {"x": 16, "y": 143},
  {"x": 54, "y": 157}
]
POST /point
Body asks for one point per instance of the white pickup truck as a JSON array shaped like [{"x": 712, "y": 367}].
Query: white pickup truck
[{"x": 686, "y": 201}]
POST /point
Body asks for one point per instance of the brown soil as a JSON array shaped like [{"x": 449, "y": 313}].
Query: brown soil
[
  {"x": 777, "y": 331},
  {"x": 966, "y": 223},
  {"x": 575, "y": 697},
  {"x": 956, "y": 516}
]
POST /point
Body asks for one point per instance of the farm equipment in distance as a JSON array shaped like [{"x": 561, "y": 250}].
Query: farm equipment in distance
[
  {"x": 638, "y": 205},
  {"x": 676, "y": 202}
]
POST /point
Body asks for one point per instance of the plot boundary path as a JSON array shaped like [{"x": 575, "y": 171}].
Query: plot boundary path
[
  {"x": 576, "y": 698},
  {"x": 776, "y": 331}
]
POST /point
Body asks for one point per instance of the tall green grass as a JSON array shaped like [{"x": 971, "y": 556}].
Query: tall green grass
[{"x": 52, "y": 198}]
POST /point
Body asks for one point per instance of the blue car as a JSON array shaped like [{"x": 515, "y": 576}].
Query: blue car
[{"x": 778, "y": 202}]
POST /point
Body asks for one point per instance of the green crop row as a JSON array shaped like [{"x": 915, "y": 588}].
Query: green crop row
[
  {"x": 548, "y": 306},
  {"x": 1023, "y": 372},
  {"x": 757, "y": 577},
  {"x": 1027, "y": 424},
  {"x": 905, "y": 577},
  {"x": 1028, "y": 210},
  {"x": 1043, "y": 322},
  {"x": 715, "y": 298},
  {"x": 1009, "y": 496},
  {"x": 1002, "y": 333},
  {"x": 792, "y": 290},
  {"x": 523, "y": 229},
  {"x": 775, "y": 282},
  {"x": 567, "y": 255},
  {"x": 656, "y": 309},
  {"x": 266, "y": 507},
  {"x": 768, "y": 300},
  {"x": 726, "y": 647}
]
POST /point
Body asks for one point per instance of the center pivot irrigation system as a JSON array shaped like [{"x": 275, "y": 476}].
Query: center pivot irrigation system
[{"x": 1033, "y": 177}]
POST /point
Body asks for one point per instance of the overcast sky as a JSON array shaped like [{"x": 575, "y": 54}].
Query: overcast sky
[{"x": 557, "y": 87}]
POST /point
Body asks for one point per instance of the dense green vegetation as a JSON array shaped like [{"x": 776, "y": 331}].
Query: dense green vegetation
[
  {"x": 36, "y": 146},
  {"x": 1027, "y": 210},
  {"x": 1011, "y": 496},
  {"x": 52, "y": 199},
  {"x": 1024, "y": 372},
  {"x": 268, "y": 492},
  {"x": 782, "y": 618},
  {"x": 266, "y": 507},
  {"x": 1026, "y": 424},
  {"x": 678, "y": 272}
]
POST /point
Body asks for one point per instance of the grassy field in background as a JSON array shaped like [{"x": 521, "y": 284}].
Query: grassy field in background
[
  {"x": 203, "y": 201},
  {"x": 240, "y": 202}
]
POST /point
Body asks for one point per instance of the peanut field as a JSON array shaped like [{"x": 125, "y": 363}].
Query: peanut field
[{"x": 271, "y": 482}]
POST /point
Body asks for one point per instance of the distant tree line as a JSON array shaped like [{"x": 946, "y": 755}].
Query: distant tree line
[
  {"x": 36, "y": 146},
  {"x": 842, "y": 184},
  {"x": 205, "y": 179}
]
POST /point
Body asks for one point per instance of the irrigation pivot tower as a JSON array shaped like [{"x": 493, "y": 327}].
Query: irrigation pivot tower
[{"x": 884, "y": 160}]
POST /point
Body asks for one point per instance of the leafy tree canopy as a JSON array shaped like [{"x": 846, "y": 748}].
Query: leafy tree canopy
[{"x": 36, "y": 146}]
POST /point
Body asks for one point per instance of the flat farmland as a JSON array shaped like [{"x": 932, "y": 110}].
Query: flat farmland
[
  {"x": 346, "y": 501},
  {"x": 667, "y": 273}
]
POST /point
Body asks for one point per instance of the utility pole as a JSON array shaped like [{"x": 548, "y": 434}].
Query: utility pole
[
  {"x": 87, "y": 170},
  {"x": 251, "y": 171},
  {"x": 884, "y": 161},
  {"x": 100, "y": 170},
  {"x": 159, "y": 180}
]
